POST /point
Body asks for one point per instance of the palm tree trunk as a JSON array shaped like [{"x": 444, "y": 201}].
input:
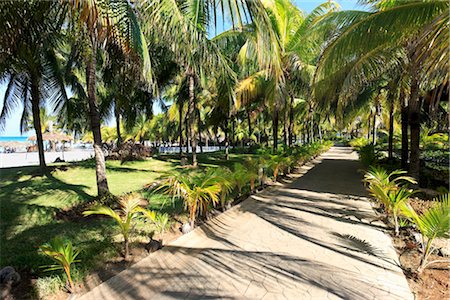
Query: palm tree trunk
[
  {"x": 291, "y": 120},
  {"x": 37, "y": 120},
  {"x": 405, "y": 139},
  {"x": 368, "y": 127},
  {"x": 374, "y": 133},
  {"x": 391, "y": 129},
  {"x": 275, "y": 129},
  {"x": 199, "y": 131},
  {"x": 249, "y": 122},
  {"x": 227, "y": 143},
  {"x": 192, "y": 110},
  {"x": 186, "y": 126},
  {"x": 414, "y": 125},
  {"x": 180, "y": 127},
  {"x": 119, "y": 136},
  {"x": 285, "y": 118},
  {"x": 233, "y": 138},
  {"x": 100, "y": 168}
]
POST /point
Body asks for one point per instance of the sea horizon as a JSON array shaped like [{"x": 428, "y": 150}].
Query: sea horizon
[{"x": 13, "y": 138}]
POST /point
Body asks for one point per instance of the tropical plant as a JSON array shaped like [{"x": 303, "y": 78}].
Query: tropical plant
[
  {"x": 29, "y": 65},
  {"x": 100, "y": 23},
  {"x": 377, "y": 176},
  {"x": 396, "y": 199},
  {"x": 369, "y": 155},
  {"x": 433, "y": 223},
  {"x": 402, "y": 41},
  {"x": 124, "y": 217},
  {"x": 64, "y": 254},
  {"x": 389, "y": 190},
  {"x": 197, "y": 191},
  {"x": 241, "y": 176}
]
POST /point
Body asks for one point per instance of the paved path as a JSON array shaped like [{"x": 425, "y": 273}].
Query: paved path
[{"x": 313, "y": 239}]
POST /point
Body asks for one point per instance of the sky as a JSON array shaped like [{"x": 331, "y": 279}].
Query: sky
[{"x": 12, "y": 123}]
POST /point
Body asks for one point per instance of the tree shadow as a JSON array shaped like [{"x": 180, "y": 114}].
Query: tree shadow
[{"x": 211, "y": 273}]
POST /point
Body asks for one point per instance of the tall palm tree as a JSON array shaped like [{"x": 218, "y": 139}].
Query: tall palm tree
[
  {"x": 297, "y": 49},
  {"x": 101, "y": 22},
  {"x": 28, "y": 35},
  {"x": 403, "y": 36}
]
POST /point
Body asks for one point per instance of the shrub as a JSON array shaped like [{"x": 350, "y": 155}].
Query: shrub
[
  {"x": 358, "y": 143},
  {"x": 128, "y": 210},
  {"x": 388, "y": 188},
  {"x": 64, "y": 254},
  {"x": 198, "y": 192},
  {"x": 433, "y": 223},
  {"x": 369, "y": 155}
]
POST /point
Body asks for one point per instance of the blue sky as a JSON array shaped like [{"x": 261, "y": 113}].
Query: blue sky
[{"x": 12, "y": 123}]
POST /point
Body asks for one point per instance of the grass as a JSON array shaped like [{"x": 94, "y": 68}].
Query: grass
[{"x": 29, "y": 204}]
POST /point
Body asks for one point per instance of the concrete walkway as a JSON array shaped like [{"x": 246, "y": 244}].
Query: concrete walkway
[{"x": 315, "y": 238}]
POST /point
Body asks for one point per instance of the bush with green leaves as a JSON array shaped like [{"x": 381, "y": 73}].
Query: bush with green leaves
[
  {"x": 64, "y": 255},
  {"x": 198, "y": 192},
  {"x": 368, "y": 155},
  {"x": 125, "y": 216},
  {"x": 433, "y": 223},
  {"x": 358, "y": 143},
  {"x": 390, "y": 190}
]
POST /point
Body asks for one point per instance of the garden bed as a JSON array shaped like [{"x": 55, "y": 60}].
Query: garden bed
[{"x": 433, "y": 282}]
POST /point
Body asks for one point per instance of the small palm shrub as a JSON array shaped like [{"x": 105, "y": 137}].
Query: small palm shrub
[
  {"x": 198, "y": 192},
  {"x": 397, "y": 199},
  {"x": 368, "y": 155},
  {"x": 159, "y": 220},
  {"x": 240, "y": 176},
  {"x": 433, "y": 223},
  {"x": 253, "y": 167},
  {"x": 389, "y": 190},
  {"x": 125, "y": 216},
  {"x": 64, "y": 255},
  {"x": 278, "y": 164}
]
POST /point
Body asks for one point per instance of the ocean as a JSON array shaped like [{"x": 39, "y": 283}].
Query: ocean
[{"x": 13, "y": 138}]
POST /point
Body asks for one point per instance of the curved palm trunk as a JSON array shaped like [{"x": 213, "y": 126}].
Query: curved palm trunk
[
  {"x": 192, "y": 119},
  {"x": 37, "y": 120},
  {"x": 100, "y": 168}
]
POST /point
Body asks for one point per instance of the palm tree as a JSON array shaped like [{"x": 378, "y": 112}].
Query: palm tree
[
  {"x": 402, "y": 36},
  {"x": 296, "y": 51},
  {"x": 188, "y": 23},
  {"x": 29, "y": 34},
  {"x": 97, "y": 22}
]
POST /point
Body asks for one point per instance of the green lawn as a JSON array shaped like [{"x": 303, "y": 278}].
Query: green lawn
[{"x": 29, "y": 204}]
